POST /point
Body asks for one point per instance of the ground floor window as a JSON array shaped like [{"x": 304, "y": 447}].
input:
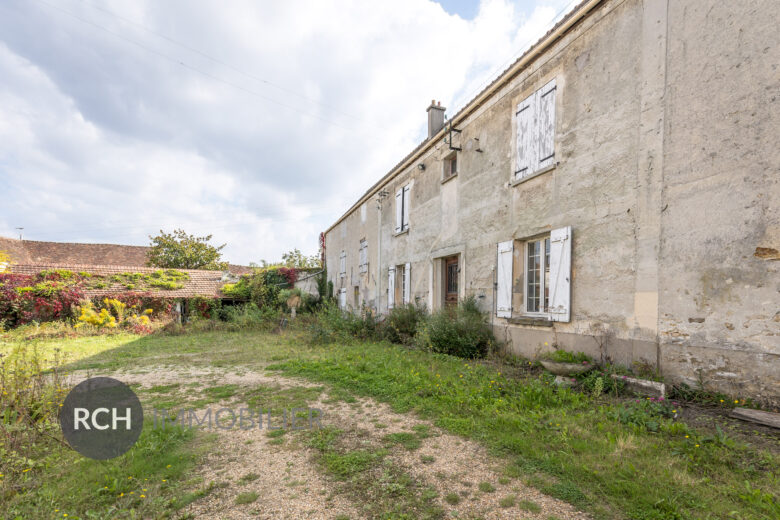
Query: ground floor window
[{"x": 537, "y": 275}]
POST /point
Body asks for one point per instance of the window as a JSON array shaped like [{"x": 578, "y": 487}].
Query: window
[
  {"x": 450, "y": 166},
  {"x": 537, "y": 269},
  {"x": 402, "y": 209},
  {"x": 402, "y": 286},
  {"x": 343, "y": 298},
  {"x": 343, "y": 264},
  {"x": 356, "y": 297},
  {"x": 535, "y": 145},
  {"x": 544, "y": 266},
  {"x": 363, "y": 256}
]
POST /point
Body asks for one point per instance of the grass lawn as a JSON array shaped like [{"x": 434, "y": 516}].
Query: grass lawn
[{"x": 569, "y": 445}]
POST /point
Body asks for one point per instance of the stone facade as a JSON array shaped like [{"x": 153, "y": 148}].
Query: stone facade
[{"x": 666, "y": 172}]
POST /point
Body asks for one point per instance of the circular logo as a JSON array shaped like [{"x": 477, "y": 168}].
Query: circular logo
[{"x": 101, "y": 418}]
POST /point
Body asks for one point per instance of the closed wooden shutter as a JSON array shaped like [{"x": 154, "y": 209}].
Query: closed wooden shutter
[
  {"x": 391, "y": 288},
  {"x": 546, "y": 126},
  {"x": 560, "y": 274},
  {"x": 405, "y": 223},
  {"x": 363, "y": 256},
  {"x": 343, "y": 264},
  {"x": 407, "y": 283},
  {"x": 525, "y": 126},
  {"x": 343, "y": 298},
  {"x": 399, "y": 210},
  {"x": 504, "y": 279}
]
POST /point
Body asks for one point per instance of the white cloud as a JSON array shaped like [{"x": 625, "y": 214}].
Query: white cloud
[{"x": 107, "y": 138}]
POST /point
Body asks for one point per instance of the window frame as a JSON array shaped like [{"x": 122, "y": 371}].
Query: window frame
[
  {"x": 403, "y": 211},
  {"x": 447, "y": 172},
  {"x": 544, "y": 261}
]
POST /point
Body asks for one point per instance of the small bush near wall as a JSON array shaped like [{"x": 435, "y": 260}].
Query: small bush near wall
[
  {"x": 463, "y": 331},
  {"x": 402, "y": 323}
]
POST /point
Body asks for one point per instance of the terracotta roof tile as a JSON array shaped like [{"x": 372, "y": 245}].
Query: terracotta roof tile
[{"x": 72, "y": 253}]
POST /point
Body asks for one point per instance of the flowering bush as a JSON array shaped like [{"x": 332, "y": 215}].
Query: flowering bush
[
  {"x": 43, "y": 297},
  {"x": 114, "y": 313}
]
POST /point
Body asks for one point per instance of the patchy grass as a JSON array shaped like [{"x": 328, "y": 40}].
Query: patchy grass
[
  {"x": 150, "y": 480},
  {"x": 371, "y": 478},
  {"x": 527, "y": 505},
  {"x": 569, "y": 445},
  {"x": 486, "y": 487},
  {"x": 246, "y": 498}
]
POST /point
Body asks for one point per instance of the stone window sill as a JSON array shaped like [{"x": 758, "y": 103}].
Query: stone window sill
[
  {"x": 535, "y": 321},
  {"x": 405, "y": 231},
  {"x": 521, "y": 180},
  {"x": 447, "y": 179}
]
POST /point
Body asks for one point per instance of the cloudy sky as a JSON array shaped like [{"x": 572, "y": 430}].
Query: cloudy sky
[{"x": 256, "y": 121}]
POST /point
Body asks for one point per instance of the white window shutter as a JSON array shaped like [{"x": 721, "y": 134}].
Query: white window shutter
[
  {"x": 407, "y": 282},
  {"x": 342, "y": 298},
  {"x": 504, "y": 279},
  {"x": 560, "y": 274},
  {"x": 525, "y": 126},
  {"x": 546, "y": 126},
  {"x": 391, "y": 288},
  {"x": 406, "y": 207},
  {"x": 399, "y": 208},
  {"x": 343, "y": 263}
]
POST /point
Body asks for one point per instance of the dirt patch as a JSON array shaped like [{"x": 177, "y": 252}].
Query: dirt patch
[{"x": 258, "y": 473}]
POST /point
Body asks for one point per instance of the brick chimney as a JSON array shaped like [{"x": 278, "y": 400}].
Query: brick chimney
[{"x": 435, "y": 117}]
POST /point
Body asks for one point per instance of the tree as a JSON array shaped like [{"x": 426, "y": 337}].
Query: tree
[
  {"x": 178, "y": 250},
  {"x": 298, "y": 260}
]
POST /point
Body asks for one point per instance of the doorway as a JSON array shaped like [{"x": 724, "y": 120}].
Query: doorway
[{"x": 451, "y": 272}]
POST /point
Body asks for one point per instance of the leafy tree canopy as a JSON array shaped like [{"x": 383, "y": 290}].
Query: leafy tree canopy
[
  {"x": 293, "y": 259},
  {"x": 178, "y": 250}
]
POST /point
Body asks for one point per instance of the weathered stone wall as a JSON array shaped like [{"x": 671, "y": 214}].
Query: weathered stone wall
[
  {"x": 719, "y": 299},
  {"x": 667, "y": 172}
]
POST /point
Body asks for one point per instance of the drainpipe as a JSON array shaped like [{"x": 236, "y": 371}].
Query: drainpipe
[{"x": 379, "y": 256}]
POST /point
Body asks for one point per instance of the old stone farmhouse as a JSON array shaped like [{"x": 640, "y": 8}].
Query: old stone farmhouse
[{"x": 615, "y": 191}]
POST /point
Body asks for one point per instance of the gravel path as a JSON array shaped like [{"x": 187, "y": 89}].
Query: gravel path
[{"x": 290, "y": 485}]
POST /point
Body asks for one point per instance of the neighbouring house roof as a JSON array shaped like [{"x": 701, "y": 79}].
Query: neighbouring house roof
[
  {"x": 577, "y": 13},
  {"x": 200, "y": 282},
  {"x": 72, "y": 253}
]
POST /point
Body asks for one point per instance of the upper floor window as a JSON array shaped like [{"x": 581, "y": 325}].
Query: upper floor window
[
  {"x": 450, "y": 166},
  {"x": 343, "y": 264},
  {"x": 363, "y": 256},
  {"x": 402, "y": 208},
  {"x": 535, "y": 117}
]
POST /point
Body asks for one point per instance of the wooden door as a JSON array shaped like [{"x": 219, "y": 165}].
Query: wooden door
[{"x": 451, "y": 281}]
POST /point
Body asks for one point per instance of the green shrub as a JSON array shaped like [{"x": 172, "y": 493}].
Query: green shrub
[
  {"x": 463, "y": 331},
  {"x": 646, "y": 414},
  {"x": 333, "y": 324},
  {"x": 564, "y": 356},
  {"x": 402, "y": 323},
  {"x": 250, "y": 315}
]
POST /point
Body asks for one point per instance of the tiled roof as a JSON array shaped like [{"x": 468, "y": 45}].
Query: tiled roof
[
  {"x": 71, "y": 253},
  {"x": 200, "y": 283}
]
